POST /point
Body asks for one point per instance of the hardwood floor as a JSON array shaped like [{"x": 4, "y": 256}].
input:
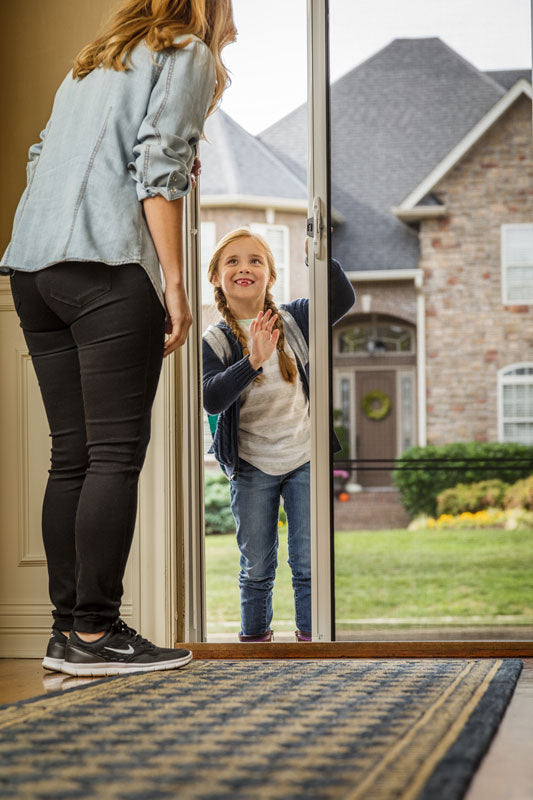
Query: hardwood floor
[{"x": 506, "y": 772}]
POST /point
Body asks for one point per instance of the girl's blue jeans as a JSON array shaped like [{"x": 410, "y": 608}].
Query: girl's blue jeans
[{"x": 255, "y": 499}]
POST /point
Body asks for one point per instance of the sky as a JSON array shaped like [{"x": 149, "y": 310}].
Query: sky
[{"x": 268, "y": 61}]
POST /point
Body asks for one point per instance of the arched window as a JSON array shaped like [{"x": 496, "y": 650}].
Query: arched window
[
  {"x": 516, "y": 403},
  {"x": 374, "y": 337}
]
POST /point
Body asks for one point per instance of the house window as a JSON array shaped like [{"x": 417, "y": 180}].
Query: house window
[
  {"x": 346, "y": 408},
  {"x": 516, "y": 404},
  {"x": 407, "y": 401},
  {"x": 372, "y": 338},
  {"x": 517, "y": 264},
  {"x": 277, "y": 237},
  {"x": 208, "y": 241}
]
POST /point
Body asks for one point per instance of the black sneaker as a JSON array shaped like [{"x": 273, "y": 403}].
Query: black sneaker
[
  {"x": 55, "y": 652},
  {"x": 120, "y": 651}
]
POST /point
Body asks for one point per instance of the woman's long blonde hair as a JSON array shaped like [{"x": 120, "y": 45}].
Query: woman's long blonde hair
[
  {"x": 158, "y": 22},
  {"x": 287, "y": 366}
]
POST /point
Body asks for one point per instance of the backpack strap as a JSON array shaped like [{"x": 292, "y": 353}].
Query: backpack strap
[
  {"x": 295, "y": 337},
  {"x": 219, "y": 343}
]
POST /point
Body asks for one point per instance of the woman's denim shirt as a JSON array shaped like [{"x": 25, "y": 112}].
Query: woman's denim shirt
[{"x": 113, "y": 139}]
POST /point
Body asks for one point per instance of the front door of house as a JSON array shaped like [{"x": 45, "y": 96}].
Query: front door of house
[{"x": 375, "y": 398}]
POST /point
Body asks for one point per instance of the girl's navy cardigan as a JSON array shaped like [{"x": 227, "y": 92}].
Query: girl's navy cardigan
[{"x": 223, "y": 384}]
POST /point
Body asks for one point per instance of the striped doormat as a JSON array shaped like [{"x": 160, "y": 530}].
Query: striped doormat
[{"x": 260, "y": 729}]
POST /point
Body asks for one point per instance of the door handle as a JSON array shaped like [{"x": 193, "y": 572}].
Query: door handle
[{"x": 318, "y": 226}]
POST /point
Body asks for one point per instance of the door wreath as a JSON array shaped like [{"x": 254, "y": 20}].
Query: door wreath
[{"x": 370, "y": 407}]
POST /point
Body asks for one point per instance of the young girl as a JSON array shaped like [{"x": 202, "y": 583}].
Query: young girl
[{"x": 256, "y": 378}]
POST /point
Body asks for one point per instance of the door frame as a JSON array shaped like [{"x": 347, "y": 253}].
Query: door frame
[
  {"x": 320, "y": 395},
  {"x": 191, "y": 623},
  {"x": 318, "y": 183}
]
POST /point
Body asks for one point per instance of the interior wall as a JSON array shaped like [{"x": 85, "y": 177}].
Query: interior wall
[{"x": 39, "y": 40}]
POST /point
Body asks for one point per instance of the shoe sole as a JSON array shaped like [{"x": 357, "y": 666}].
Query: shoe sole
[
  {"x": 53, "y": 664},
  {"x": 106, "y": 668}
]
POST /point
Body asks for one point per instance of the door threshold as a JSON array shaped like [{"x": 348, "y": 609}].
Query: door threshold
[{"x": 367, "y": 650}]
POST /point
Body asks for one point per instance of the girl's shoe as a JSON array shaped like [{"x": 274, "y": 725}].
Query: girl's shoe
[
  {"x": 301, "y": 636},
  {"x": 55, "y": 652},
  {"x": 266, "y": 637}
]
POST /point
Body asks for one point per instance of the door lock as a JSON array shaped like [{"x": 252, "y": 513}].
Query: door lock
[{"x": 315, "y": 227}]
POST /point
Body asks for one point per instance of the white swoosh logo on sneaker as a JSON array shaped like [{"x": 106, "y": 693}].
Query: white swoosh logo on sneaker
[{"x": 127, "y": 652}]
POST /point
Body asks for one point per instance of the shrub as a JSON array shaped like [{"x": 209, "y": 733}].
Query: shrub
[
  {"x": 218, "y": 516},
  {"x": 518, "y": 519},
  {"x": 472, "y": 497},
  {"x": 217, "y": 510},
  {"x": 419, "y": 486},
  {"x": 520, "y": 495}
]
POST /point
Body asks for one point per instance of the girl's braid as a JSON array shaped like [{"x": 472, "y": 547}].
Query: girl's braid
[
  {"x": 225, "y": 312},
  {"x": 287, "y": 366}
]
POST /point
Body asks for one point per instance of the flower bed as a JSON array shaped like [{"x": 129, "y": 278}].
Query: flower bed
[{"x": 510, "y": 520}]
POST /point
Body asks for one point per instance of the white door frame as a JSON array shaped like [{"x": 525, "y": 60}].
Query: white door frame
[
  {"x": 319, "y": 327},
  {"x": 192, "y": 624},
  {"x": 171, "y": 500}
]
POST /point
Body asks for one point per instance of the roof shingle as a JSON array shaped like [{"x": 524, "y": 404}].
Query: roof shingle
[{"x": 393, "y": 118}]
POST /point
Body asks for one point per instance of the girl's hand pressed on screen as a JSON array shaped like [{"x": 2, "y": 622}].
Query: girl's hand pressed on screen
[{"x": 264, "y": 341}]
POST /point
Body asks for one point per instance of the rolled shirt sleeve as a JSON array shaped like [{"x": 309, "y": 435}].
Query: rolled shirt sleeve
[{"x": 174, "y": 122}]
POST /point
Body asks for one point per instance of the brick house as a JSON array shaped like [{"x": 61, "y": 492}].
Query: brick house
[{"x": 432, "y": 169}]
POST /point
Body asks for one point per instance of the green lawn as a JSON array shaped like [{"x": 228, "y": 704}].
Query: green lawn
[{"x": 397, "y": 575}]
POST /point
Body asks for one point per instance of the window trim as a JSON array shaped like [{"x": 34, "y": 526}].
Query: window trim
[
  {"x": 285, "y": 284},
  {"x": 377, "y": 321},
  {"x": 518, "y": 379},
  {"x": 203, "y": 265},
  {"x": 340, "y": 374},
  {"x": 401, "y": 416},
  {"x": 504, "y": 265}
]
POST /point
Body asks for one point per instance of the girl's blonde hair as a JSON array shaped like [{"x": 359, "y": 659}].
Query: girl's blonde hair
[
  {"x": 158, "y": 22},
  {"x": 287, "y": 366}
]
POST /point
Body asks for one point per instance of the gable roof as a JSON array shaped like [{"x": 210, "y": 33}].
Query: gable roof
[
  {"x": 508, "y": 77},
  {"x": 393, "y": 118},
  {"x": 426, "y": 186},
  {"x": 237, "y": 164}
]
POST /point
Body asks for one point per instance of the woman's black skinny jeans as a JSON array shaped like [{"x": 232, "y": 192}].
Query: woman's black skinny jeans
[{"x": 95, "y": 334}]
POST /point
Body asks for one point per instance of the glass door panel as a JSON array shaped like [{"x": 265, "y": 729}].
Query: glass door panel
[
  {"x": 430, "y": 387},
  {"x": 254, "y": 174}
]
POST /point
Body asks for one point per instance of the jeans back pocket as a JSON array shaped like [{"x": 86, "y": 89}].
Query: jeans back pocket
[{"x": 78, "y": 283}]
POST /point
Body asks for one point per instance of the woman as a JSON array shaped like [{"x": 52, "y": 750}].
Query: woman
[{"x": 101, "y": 210}]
